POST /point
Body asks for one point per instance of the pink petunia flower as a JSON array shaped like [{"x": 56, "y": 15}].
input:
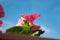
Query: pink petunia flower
[{"x": 30, "y": 18}]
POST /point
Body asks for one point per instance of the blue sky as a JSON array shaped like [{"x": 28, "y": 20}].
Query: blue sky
[{"x": 48, "y": 9}]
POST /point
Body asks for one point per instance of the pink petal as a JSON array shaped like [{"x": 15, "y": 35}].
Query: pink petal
[
  {"x": 1, "y": 12},
  {"x": 35, "y": 15},
  {"x": 0, "y": 23},
  {"x": 31, "y": 17},
  {"x": 35, "y": 27},
  {"x": 20, "y": 22}
]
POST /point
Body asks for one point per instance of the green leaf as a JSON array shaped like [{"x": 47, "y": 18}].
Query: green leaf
[{"x": 15, "y": 29}]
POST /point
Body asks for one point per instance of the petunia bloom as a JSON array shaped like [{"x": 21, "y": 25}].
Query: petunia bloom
[{"x": 30, "y": 18}]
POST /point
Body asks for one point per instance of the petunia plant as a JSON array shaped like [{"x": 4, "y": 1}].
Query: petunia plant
[{"x": 26, "y": 26}]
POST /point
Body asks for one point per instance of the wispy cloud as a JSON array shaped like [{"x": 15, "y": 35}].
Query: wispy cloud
[{"x": 47, "y": 30}]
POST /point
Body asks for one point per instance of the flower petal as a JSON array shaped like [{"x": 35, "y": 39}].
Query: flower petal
[
  {"x": 20, "y": 22},
  {"x": 1, "y": 12},
  {"x": 35, "y": 27},
  {"x": 31, "y": 17},
  {"x": 0, "y": 23}
]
